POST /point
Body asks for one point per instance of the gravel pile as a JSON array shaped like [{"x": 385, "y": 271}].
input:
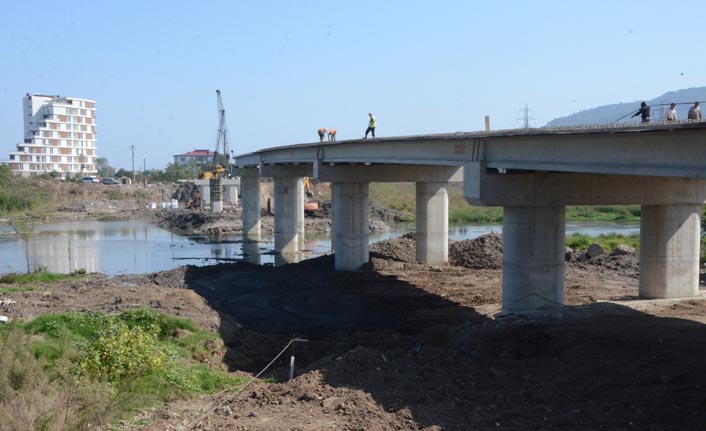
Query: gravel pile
[{"x": 484, "y": 252}]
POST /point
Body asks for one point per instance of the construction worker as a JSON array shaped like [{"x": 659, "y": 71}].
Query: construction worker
[
  {"x": 672, "y": 113},
  {"x": 694, "y": 112},
  {"x": 371, "y": 126},
  {"x": 322, "y": 133},
  {"x": 643, "y": 112},
  {"x": 332, "y": 135}
]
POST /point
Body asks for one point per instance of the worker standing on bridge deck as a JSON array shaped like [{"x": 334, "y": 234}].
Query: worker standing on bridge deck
[
  {"x": 322, "y": 133},
  {"x": 332, "y": 135},
  {"x": 644, "y": 112},
  {"x": 671, "y": 113},
  {"x": 371, "y": 126},
  {"x": 695, "y": 112}
]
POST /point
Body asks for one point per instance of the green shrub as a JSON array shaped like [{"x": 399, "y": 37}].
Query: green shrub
[
  {"x": 579, "y": 241},
  {"x": 122, "y": 352},
  {"x": 126, "y": 362}
]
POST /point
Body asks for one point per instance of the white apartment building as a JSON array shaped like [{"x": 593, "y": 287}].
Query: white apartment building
[{"x": 60, "y": 136}]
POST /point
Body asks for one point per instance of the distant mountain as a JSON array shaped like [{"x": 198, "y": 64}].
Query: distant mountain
[{"x": 609, "y": 113}]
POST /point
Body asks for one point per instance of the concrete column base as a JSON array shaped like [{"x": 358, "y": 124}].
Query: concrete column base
[
  {"x": 230, "y": 194},
  {"x": 251, "y": 205},
  {"x": 216, "y": 206},
  {"x": 351, "y": 219},
  {"x": 251, "y": 249},
  {"x": 533, "y": 258},
  {"x": 289, "y": 210},
  {"x": 301, "y": 223},
  {"x": 669, "y": 251},
  {"x": 432, "y": 223},
  {"x": 205, "y": 191}
]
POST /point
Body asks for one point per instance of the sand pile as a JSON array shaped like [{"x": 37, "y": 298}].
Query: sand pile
[{"x": 484, "y": 252}]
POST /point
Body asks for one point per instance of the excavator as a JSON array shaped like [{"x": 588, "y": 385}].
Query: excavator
[
  {"x": 219, "y": 171},
  {"x": 310, "y": 205}
]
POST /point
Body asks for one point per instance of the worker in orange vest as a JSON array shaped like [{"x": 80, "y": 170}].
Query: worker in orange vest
[
  {"x": 332, "y": 135},
  {"x": 322, "y": 133}
]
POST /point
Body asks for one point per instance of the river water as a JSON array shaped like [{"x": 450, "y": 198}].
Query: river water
[{"x": 133, "y": 247}]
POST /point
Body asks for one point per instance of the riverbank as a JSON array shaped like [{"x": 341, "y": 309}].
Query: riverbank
[{"x": 402, "y": 345}]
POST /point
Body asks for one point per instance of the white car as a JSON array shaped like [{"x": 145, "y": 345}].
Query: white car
[{"x": 91, "y": 179}]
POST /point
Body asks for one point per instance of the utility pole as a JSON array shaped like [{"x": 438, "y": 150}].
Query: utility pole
[
  {"x": 526, "y": 116},
  {"x": 144, "y": 170},
  {"x": 132, "y": 148}
]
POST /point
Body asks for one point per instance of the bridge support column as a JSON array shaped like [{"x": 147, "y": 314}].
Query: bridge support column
[
  {"x": 288, "y": 213},
  {"x": 351, "y": 219},
  {"x": 533, "y": 258},
  {"x": 205, "y": 191},
  {"x": 251, "y": 249},
  {"x": 251, "y": 205},
  {"x": 216, "y": 195},
  {"x": 669, "y": 251},
  {"x": 301, "y": 222},
  {"x": 230, "y": 194},
  {"x": 432, "y": 223}
]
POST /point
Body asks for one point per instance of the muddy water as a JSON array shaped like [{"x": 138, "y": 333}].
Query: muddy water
[{"x": 137, "y": 248}]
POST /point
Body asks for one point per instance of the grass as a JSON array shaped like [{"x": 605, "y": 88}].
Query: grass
[
  {"x": 115, "y": 194},
  {"x": 18, "y": 193},
  {"x": 579, "y": 241},
  {"x": 103, "y": 368},
  {"x": 39, "y": 277}
]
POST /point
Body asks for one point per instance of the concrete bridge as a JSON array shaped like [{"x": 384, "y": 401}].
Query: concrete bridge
[{"x": 532, "y": 173}]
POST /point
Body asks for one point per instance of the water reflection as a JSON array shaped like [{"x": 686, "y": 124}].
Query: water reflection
[
  {"x": 137, "y": 248},
  {"x": 251, "y": 249}
]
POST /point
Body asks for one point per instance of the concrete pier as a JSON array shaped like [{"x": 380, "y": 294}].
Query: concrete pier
[
  {"x": 669, "y": 251},
  {"x": 432, "y": 223},
  {"x": 301, "y": 223},
  {"x": 351, "y": 219},
  {"x": 533, "y": 257},
  {"x": 289, "y": 211},
  {"x": 216, "y": 195},
  {"x": 205, "y": 192},
  {"x": 230, "y": 193},
  {"x": 251, "y": 205},
  {"x": 251, "y": 249}
]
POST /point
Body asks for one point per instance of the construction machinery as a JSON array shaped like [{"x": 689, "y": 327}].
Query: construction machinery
[
  {"x": 221, "y": 160},
  {"x": 311, "y": 205}
]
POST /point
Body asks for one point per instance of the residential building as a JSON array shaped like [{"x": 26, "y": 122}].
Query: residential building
[
  {"x": 59, "y": 136},
  {"x": 201, "y": 157}
]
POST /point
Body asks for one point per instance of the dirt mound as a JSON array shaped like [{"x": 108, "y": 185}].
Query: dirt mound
[
  {"x": 320, "y": 406},
  {"x": 184, "y": 220},
  {"x": 379, "y": 212},
  {"x": 186, "y": 192},
  {"x": 627, "y": 264},
  {"x": 394, "y": 252},
  {"x": 484, "y": 252}
]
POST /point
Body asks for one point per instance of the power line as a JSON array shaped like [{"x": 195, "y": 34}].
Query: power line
[{"x": 525, "y": 116}]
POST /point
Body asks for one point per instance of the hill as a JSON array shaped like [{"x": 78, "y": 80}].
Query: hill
[{"x": 609, "y": 113}]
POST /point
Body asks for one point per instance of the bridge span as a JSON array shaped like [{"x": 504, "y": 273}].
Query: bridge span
[{"x": 532, "y": 173}]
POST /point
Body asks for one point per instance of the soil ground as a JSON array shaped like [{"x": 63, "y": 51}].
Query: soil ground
[{"x": 403, "y": 346}]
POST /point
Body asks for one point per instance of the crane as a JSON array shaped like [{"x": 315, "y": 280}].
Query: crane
[{"x": 221, "y": 144}]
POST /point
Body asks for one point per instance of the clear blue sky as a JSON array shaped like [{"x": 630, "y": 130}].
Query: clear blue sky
[{"x": 287, "y": 68}]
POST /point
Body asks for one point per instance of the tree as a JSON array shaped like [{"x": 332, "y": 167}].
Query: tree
[
  {"x": 104, "y": 169},
  {"x": 24, "y": 227}
]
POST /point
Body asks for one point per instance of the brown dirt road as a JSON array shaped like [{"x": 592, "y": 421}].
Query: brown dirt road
[{"x": 404, "y": 346}]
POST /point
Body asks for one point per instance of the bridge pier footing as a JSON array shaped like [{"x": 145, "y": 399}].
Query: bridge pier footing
[
  {"x": 533, "y": 258},
  {"x": 205, "y": 191},
  {"x": 289, "y": 213},
  {"x": 669, "y": 251},
  {"x": 351, "y": 219},
  {"x": 432, "y": 223},
  {"x": 251, "y": 205},
  {"x": 230, "y": 194}
]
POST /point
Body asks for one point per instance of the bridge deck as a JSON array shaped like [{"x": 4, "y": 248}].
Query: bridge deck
[{"x": 662, "y": 149}]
